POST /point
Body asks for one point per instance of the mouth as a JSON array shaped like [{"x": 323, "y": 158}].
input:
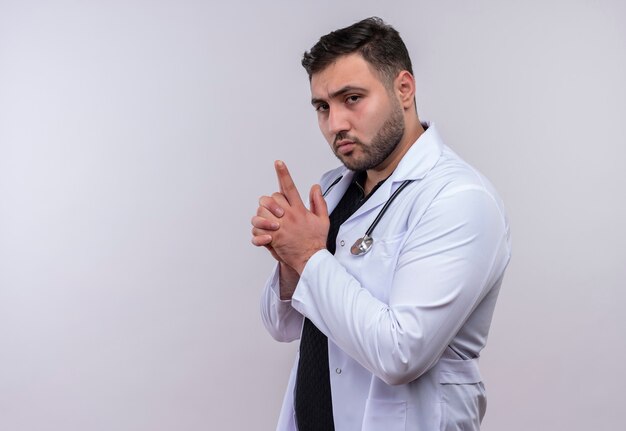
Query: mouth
[{"x": 344, "y": 146}]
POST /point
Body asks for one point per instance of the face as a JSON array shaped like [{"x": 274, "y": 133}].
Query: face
[{"x": 359, "y": 117}]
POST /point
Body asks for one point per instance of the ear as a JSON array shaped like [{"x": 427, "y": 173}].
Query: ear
[{"x": 405, "y": 89}]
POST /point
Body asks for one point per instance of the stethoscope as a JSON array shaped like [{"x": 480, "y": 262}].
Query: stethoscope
[{"x": 364, "y": 244}]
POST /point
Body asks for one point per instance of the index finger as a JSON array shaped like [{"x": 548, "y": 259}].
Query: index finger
[{"x": 285, "y": 182}]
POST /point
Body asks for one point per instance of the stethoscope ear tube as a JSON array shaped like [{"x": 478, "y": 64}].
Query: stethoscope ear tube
[{"x": 332, "y": 185}]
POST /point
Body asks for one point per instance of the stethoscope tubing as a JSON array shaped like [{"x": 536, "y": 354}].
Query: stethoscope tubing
[
  {"x": 363, "y": 245},
  {"x": 332, "y": 185},
  {"x": 382, "y": 212}
]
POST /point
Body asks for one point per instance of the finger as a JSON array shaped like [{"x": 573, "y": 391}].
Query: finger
[
  {"x": 281, "y": 200},
  {"x": 263, "y": 223},
  {"x": 261, "y": 232},
  {"x": 318, "y": 203},
  {"x": 266, "y": 214},
  {"x": 261, "y": 240},
  {"x": 272, "y": 205},
  {"x": 311, "y": 201},
  {"x": 286, "y": 184}
]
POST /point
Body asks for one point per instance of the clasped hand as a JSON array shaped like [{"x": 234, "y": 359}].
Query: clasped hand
[{"x": 290, "y": 231}]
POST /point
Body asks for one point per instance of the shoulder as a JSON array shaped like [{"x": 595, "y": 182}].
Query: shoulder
[
  {"x": 457, "y": 177},
  {"x": 454, "y": 189}
]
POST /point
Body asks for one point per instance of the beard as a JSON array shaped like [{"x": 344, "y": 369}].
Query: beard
[{"x": 384, "y": 142}]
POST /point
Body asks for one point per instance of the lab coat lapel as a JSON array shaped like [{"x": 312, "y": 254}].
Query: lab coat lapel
[{"x": 337, "y": 191}]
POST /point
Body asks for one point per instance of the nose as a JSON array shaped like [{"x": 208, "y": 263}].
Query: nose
[{"x": 337, "y": 121}]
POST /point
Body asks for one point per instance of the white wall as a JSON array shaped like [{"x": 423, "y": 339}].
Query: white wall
[{"x": 136, "y": 136}]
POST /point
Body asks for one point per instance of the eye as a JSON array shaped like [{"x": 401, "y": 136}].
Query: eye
[
  {"x": 322, "y": 107},
  {"x": 352, "y": 99}
]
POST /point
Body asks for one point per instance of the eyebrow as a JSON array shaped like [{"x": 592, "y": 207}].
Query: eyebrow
[{"x": 340, "y": 92}]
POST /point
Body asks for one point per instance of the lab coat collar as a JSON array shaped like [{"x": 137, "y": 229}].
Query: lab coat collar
[{"x": 421, "y": 156}]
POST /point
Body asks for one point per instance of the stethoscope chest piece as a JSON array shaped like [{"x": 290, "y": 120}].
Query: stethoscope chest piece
[{"x": 362, "y": 245}]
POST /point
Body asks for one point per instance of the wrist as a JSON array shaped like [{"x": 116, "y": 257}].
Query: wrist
[
  {"x": 299, "y": 267},
  {"x": 288, "y": 280}
]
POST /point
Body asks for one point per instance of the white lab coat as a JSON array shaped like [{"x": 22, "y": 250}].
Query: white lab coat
[{"x": 405, "y": 322}]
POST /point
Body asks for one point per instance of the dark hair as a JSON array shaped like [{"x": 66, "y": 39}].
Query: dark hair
[{"x": 379, "y": 44}]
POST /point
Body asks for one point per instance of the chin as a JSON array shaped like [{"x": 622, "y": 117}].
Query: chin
[
  {"x": 350, "y": 161},
  {"x": 354, "y": 165}
]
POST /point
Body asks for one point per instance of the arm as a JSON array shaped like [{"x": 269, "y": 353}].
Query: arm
[
  {"x": 452, "y": 257},
  {"x": 281, "y": 320}
]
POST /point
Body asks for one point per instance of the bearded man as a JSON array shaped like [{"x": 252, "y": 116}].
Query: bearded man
[{"x": 392, "y": 294}]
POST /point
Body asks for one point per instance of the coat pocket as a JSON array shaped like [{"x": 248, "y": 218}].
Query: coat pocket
[
  {"x": 376, "y": 268},
  {"x": 463, "y": 399},
  {"x": 384, "y": 415}
]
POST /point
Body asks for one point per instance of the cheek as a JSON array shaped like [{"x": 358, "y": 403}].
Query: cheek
[{"x": 373, "y": 118}]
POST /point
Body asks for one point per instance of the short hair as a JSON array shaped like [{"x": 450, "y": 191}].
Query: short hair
[{"x": 379, "y": 44}]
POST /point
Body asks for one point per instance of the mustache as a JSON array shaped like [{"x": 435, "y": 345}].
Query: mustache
[{"x": 344, "y": 136}]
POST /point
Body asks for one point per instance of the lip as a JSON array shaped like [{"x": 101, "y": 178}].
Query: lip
[{"x": 344, "y": 147}]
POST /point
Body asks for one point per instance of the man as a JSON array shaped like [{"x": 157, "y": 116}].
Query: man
[{"x": 390, "y": 330}]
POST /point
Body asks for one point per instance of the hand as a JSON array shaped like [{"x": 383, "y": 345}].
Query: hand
[
  {"x": 264, "y": 222},
  {"x": 299, "y": 233}
]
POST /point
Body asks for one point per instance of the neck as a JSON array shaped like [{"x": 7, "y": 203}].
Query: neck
[{"x": 413, "y": 130}]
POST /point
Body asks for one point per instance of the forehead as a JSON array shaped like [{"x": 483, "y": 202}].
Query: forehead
[{"x": 347, "y": 71}]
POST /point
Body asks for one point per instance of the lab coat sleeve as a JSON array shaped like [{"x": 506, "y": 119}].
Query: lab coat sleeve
[
  {"x": 281, "y": 320},
  {"x": 452, "y": 256}
]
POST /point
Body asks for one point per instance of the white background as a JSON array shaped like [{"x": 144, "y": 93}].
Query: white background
[{"x": 136, "y": 137}]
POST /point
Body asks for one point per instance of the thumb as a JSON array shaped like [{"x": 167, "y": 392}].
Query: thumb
[{"x": 317, "y": 201}]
